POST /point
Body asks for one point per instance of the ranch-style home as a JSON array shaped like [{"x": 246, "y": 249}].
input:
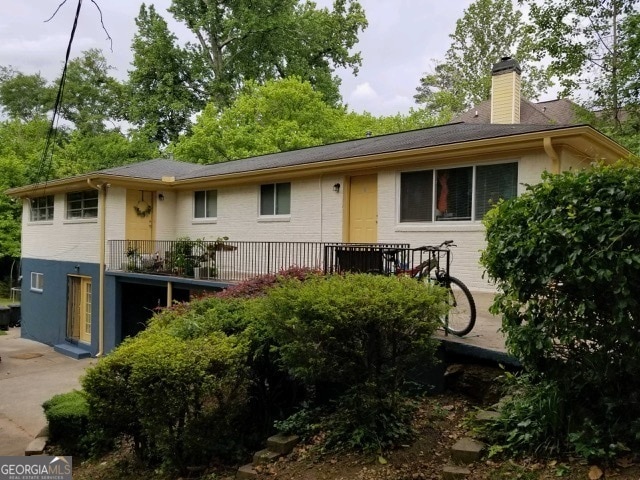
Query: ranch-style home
[{"x": 101, "y": 250}]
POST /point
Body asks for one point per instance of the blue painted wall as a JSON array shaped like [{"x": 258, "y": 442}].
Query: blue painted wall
[{"x": 44, "y": 314}]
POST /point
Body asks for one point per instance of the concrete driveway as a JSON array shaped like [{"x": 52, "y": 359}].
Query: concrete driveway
[{"x": 30, "y": 373}]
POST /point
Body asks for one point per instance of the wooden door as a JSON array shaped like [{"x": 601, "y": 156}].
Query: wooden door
[
  {"x": 79, "y": 308},
  {"x": 139, "y": 215},
  {"x": 363, "y": 209}
]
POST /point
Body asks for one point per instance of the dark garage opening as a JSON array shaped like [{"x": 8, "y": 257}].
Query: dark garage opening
[{"x": 139, "y": 303}]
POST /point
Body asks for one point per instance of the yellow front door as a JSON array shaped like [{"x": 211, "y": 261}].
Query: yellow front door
[
  {"x": 79, "y": 308},
  {"x": 363, "y": 209},
  {"x": 139, "y": 217}
]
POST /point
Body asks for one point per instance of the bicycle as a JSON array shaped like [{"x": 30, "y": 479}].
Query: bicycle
[{"x": 461, "y": 317}]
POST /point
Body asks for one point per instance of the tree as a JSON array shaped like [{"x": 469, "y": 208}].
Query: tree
[
  {"x": 21, "y": 145},
  {"x": 242, "y": 40},
  {"x": 162, "y": 93},
  {"x": 87, "y": 152},
  {"x": 582, "y": 40},
  {"x": 24, "y": 97},
  {"x": 488, "y": 31},
  {"x": 278, "y": 116},
  {"x": 90, "y": 95}
]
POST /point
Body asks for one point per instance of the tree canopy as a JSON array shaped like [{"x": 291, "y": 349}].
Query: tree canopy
[
  {"x": 586, "y": 42},
  {"x": 278, "y": 116},
  {"x": 487, "y": 31}
]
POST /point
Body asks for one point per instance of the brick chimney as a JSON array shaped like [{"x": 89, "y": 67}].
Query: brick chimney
[{"x": 505, "y": 91}]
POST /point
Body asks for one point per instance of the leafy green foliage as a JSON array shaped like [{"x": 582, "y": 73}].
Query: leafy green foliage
[
  {"x": 24, "y": 97},
  {"x": 232, "y": 364},
  {"x": 161, "y": 91},
  {"x": 68, "y": 418},
  {"x": 242, "y": 41},
  {"x": 168, "y": 394},
  {"x": 357, "y": 336},
  {"x": 565, "y": 257},
  {"x": 279, "y": 116},
  {"x": 587, "y": 47},
  {"x": 90, "y": 94},
  {"x": 487, "y": 31}
]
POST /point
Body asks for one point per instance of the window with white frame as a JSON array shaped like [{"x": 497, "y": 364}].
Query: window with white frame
[
  {"x": 455, "y": 194},
  {"x": 205, "y": 204},
  {"x": 41, "y": 209},
  {"x": 82, "y": 204},
  {"x": 37, "y": 281},
  {"x": 275, "y": 199}
]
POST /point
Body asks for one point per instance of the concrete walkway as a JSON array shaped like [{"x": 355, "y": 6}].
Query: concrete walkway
[
  {"x": 485, "y": 340},
  {"x": 30, "y": 373}
]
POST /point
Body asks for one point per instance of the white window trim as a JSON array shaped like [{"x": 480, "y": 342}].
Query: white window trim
[
  {"x": 276, "y": 217},
  {"x": 48, "y": 221},
  {"x": 68, "y": 219},
  {"x": 199, "y": 220},
  {"x": 34, "y": 281}
]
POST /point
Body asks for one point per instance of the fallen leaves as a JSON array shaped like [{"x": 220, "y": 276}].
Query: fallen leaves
[{"x": 595, "y": 473}]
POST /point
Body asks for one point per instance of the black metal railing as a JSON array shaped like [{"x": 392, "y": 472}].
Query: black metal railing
[{"x": 233, "y": 261}]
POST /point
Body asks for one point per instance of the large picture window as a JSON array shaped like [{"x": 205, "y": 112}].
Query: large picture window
[
  {"x": 42, "y": 209},
  {"x": 205, "y": 204},
  {"x": 455, "y": 194},
  {"x": 82, "y": 204},
  {"x": 275, "y": 199}
]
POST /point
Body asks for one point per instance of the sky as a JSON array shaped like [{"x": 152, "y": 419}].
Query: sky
[{"x": 402, "y": 40}]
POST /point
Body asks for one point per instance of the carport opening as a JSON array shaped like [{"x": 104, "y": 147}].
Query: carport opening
[{"x": 139, "y": 303}]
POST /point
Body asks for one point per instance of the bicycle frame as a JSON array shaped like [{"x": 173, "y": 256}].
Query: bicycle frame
[{"x": 419, "y": 262}]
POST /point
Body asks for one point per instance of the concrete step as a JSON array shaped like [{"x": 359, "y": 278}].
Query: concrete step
[
  {"x": 36, "y": 446},
  {"x": 71, "y": 351},
  {"x": 452, "y": 472},
  {"x": 246, "y": 472},
  {"x": 282, "y": 444},
  {"x": 466, "y": 451},
  {"x": 487, "y": 416},
  {"x": 265, "y": 456}
]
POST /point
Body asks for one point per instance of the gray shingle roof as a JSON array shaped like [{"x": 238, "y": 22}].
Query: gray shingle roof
[
  {"x": 153, "y": 169},
  {"x": 558, "y": 112},
  {"x": 429, "y": 137}
]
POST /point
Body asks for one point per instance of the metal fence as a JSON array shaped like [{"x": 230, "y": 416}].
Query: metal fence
[{"x": 236, "y": 260}]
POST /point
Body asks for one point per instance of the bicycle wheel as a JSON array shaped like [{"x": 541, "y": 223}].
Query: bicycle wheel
[{"x": 462, "y": 313}]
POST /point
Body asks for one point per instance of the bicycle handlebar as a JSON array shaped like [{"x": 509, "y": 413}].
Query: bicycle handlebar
[{"x": 446, "y": 243}]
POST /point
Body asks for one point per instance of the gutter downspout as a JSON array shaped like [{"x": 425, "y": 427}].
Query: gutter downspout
[
  {"x": 552, "y": 154},
  {"x": 102, "y": 204}
]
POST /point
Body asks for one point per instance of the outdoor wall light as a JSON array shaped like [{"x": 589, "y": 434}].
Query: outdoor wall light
[
  {"x": 161, "y": 196},
  {"x": 336, "y": 188}
]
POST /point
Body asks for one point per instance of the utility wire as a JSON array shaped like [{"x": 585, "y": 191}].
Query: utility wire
[{"x": 46, "y": 161}]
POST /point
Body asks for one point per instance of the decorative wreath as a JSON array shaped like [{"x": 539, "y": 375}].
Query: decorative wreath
[{"x": 142, "y": 208}]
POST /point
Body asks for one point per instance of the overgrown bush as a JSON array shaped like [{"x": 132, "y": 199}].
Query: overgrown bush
[
  {"x": 566, "y": 257},
  {"x": 68, "y": 417},
  {"x": 359, "y": 336},
  {"x": 177, "y": 398},
  {"x": 208, "y": 378},
  {"x": 258, "y": 286}
]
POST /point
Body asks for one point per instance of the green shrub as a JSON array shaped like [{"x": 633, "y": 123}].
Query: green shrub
[
  {"x": 176, "y": 398},
  {"x": 68, "y": 417},
  {"x": 358, "y": 335},
  {"x": 566, "y": 257}
]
